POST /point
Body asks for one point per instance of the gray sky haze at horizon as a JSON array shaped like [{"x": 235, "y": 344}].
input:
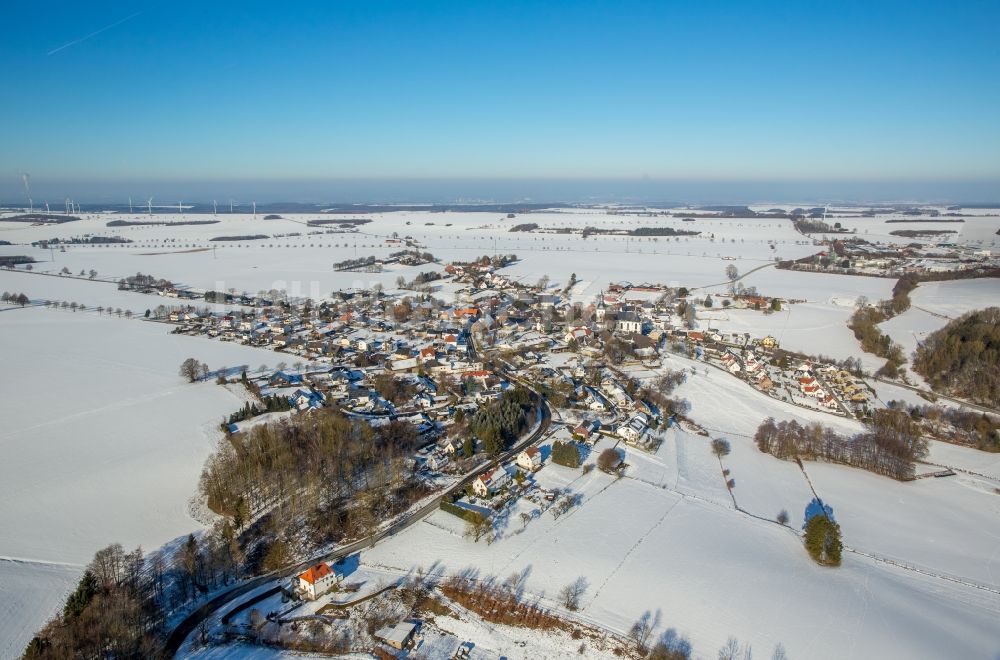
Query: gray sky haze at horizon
[{"x": 168, "y": 192}]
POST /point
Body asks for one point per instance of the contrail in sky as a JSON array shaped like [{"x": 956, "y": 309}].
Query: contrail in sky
[{"x": 93, "y": 34}]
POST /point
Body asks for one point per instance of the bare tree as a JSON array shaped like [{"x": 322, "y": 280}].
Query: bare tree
[
  {"x": 720, "y": 447},
  {"x": 190, "y": 369},
  {"x": 571, "y": 594},
  {"x": 608, "y": 460},
  {"x": 642, "y": 630},
  {"x": 525, "y": 519}
]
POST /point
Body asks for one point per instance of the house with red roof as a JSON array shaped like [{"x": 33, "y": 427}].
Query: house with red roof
[
  {"x": 491, "y": 481},
  {"x": 316, "y": 580},
  {"x": 530, "y": 459}
]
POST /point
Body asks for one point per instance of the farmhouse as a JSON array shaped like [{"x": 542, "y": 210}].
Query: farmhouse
[{"x": 316, "y": 581}]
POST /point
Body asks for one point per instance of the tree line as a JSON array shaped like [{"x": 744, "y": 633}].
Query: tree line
[
  {"x": 889, "y": 445},
  {"x": 15, "y": 298}
]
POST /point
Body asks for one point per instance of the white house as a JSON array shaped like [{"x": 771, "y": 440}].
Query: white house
[
  {"x": 316, "y": 580},
  {"x": 530, "y": 459},
  {"x": 636, "y": 426},
  {"x": 437, "y": 460},
  {"x": 490, "y": 482}
]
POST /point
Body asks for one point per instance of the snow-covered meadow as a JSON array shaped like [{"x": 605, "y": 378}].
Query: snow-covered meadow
[
  {"x": 666, "y": 538},
  {"x": 102, "y": 441}
]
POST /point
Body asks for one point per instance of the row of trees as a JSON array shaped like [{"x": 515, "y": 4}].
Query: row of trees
[
  {"x": 866, "y": 318},
  {"x": 889, "y": 445},
  {"x": 15, "y": 298}
]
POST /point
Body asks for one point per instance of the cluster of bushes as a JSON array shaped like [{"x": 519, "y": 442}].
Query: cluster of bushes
[
  {"x": 978, "y": 430},
  {"x": 662, "y": 231},
  {"x": 566, "y": 453},
  {"x": 889, "y": 446},
  {"x": 86, "y": 240},
  {"x": 140, "y": 281},
  {"x": 246, "y": 237},
  {"x": 962, "y": 357},
  {"x": 498, "y": 602},
  {"x": 527, "y": 226},
  {"x": 273, "y": 403}
]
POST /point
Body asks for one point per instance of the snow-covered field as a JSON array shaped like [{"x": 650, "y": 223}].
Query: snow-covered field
[
  {"x": 660, "y": 542},
  {"x": 29, "y": 593},
  {"x": 101, "y": 441}
]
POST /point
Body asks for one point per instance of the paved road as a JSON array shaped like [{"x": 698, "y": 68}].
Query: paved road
[{"x": 192, "y": 620}]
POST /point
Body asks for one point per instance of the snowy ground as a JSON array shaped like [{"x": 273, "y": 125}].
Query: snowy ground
[
  {"x": 643, "y": 544},
  {"x": 29, "y": 593},
  {"x": 102, "y": 441}
]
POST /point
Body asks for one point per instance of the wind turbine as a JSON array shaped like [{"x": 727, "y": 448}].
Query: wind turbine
[
  {"x": 254, "y": 210},
  {"x": 67, "y": 206},
  {"x": 215, "y": 208},
  {"x": 46, "y": 208},
  {"x": 231, "y": 200},
  {"x": 178, "y": 207},
  {"x": 149, "y": 206},
  {"x": 130, "y": 205},
  {"x": 26, "y": 180}
]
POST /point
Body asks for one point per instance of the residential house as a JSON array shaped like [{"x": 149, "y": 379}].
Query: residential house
[
  {"x": 530, "y": 459},
  {"x": 490, "y": 482},
  {"x": 316, "y": 581}
]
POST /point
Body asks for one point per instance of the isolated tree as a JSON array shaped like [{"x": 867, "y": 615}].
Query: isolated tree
[
  {"x": 779, "y": 652},
  {"x": 720, "y": 447},
  {"x": 22, "y": 300},
  {"x": 190, "y": 369},
  {"x": 93, "y": 273},
  {"x": 642, "y": 630},
  {"x": 608, "y": 460},
  {"x": 571, "y": 594},
  {"x": 782, "y": 517},
  {"x": 525, "y": 519},
  {"x": 823, "y": 540},
  {"x": 775, "y": 305}
]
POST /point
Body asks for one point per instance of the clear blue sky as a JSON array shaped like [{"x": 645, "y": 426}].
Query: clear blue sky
[{"x": 113, "y": 94}]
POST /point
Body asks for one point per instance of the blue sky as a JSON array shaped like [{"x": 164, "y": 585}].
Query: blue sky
[{"x": 121, "y": 95}]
